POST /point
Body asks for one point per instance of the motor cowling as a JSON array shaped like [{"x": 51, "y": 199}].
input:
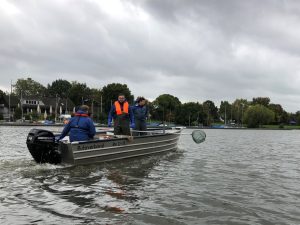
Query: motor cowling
[{"x": 43, "y": 147}]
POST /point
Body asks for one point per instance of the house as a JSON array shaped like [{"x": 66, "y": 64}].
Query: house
[{"x": 34, "y": 104}]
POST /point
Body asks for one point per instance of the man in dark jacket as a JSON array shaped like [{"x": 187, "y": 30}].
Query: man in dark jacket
[
  {"x": 140, "y": 112},
  {"x": 122, "y": 115},
  {"x": 81, "y": 126}
]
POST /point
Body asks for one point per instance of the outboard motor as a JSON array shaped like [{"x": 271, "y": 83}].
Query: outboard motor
[{"x": 43, "y": 147}]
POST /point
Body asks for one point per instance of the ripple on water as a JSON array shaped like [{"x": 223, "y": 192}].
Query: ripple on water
[{"x": 234, "y": 177}]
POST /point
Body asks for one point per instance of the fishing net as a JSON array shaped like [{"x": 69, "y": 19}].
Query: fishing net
[{"x": 198, "y": 136}]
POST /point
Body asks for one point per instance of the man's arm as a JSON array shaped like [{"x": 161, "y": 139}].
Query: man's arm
[
  {"x": 131, "y": 114},
  {"x": 110, "y": 115},
  {"x": 147, "y": 113},
  {"x": 66, "y": 130},
  {"x": 92, "y": 129}
]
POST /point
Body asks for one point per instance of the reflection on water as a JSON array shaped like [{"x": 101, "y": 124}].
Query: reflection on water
[{"x": 235, "y": 177}]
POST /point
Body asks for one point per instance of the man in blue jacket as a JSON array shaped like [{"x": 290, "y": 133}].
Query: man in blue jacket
[
  {"x": 140, "y": 112},
  {"x": 123, "y": 117},
  {"x": 81, "y": 126}
]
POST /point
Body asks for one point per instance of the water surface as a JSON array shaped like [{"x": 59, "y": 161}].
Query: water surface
[{"x": 234, "y": 177}]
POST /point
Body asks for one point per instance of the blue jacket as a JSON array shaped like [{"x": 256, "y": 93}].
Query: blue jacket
[
  {"x": 113, "y": 115},
  {"x": 81, "y": 128},
  {"x": 140, "y": 112}
]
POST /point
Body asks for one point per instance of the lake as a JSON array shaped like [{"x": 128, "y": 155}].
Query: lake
[{"x": 234, "y": 177}]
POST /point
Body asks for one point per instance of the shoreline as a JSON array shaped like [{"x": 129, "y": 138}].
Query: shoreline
[{"x": 16, "y": 124}]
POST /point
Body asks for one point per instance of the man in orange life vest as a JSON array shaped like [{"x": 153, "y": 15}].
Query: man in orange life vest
[{"x": 123, "y": 117}]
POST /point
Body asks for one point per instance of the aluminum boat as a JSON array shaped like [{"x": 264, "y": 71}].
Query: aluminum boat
[{"x": 104, "y": 147}]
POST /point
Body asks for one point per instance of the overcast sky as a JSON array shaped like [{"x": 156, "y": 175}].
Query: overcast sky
[{"x": 195, "y": 50}]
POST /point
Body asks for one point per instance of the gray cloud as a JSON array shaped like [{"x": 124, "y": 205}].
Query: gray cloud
[{"x": 195, "y": 50}]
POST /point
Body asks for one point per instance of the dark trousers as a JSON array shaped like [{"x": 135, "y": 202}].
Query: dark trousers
[
  {"x": 122, "y": 126},
  {"x": 140, "y": 125}
]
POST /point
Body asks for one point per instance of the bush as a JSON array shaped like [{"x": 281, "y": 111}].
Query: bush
[
  {"x": 51, "y": 117},
  {"x": 34, "y": 116},
  {"x": 258, "y": 115},
  {"x": 27, "y": 117},
  {"x": 18, "y": 114}
]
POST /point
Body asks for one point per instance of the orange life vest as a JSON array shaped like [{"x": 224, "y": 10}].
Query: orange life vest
[{"x": 118, "y": 108}]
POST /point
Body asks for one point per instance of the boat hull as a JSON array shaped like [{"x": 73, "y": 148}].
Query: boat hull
[{"x": 79, "y": 153}]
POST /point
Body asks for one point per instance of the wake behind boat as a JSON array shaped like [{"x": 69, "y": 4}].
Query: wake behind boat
[{"x": 44, "y": 148}]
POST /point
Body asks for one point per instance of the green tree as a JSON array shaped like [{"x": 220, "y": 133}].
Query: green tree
[
  {"x": 60, "y": 88},
  {"x": 265, "y": 101},
  {"x": 225, "y": 110},
  {"x": 285, "y": 117},
  {"x": 190, "y": 113},
  {"x": 18, "y": 113},
  {"x": 297, "y": 117},
  {"x": 2, "y": 95},
  {"x": 29, "y": 87},
  {"x": 210, "y": 112},
  {"x": 79, "y": 93},
  {"x": 95, "y": 102},
  {"x": 258, "y": 115},
  {"x": 278, "y": 112},
  {"x": 110, "y": 94},
  {"x": 239, "y": 107},
  {"x": 165, "y": 107}
]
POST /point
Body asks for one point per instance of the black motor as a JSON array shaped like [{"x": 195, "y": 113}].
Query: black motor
[{"x": 43, "y": 147}]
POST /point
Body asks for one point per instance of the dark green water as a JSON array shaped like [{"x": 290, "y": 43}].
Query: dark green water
[{"x": 234, "y": 177}]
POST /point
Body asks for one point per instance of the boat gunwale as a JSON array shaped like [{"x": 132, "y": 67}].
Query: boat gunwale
[{"x": 122, "y": 138}]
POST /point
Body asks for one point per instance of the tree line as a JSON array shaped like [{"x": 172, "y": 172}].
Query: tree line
[{"x": 255, "y": 113}]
